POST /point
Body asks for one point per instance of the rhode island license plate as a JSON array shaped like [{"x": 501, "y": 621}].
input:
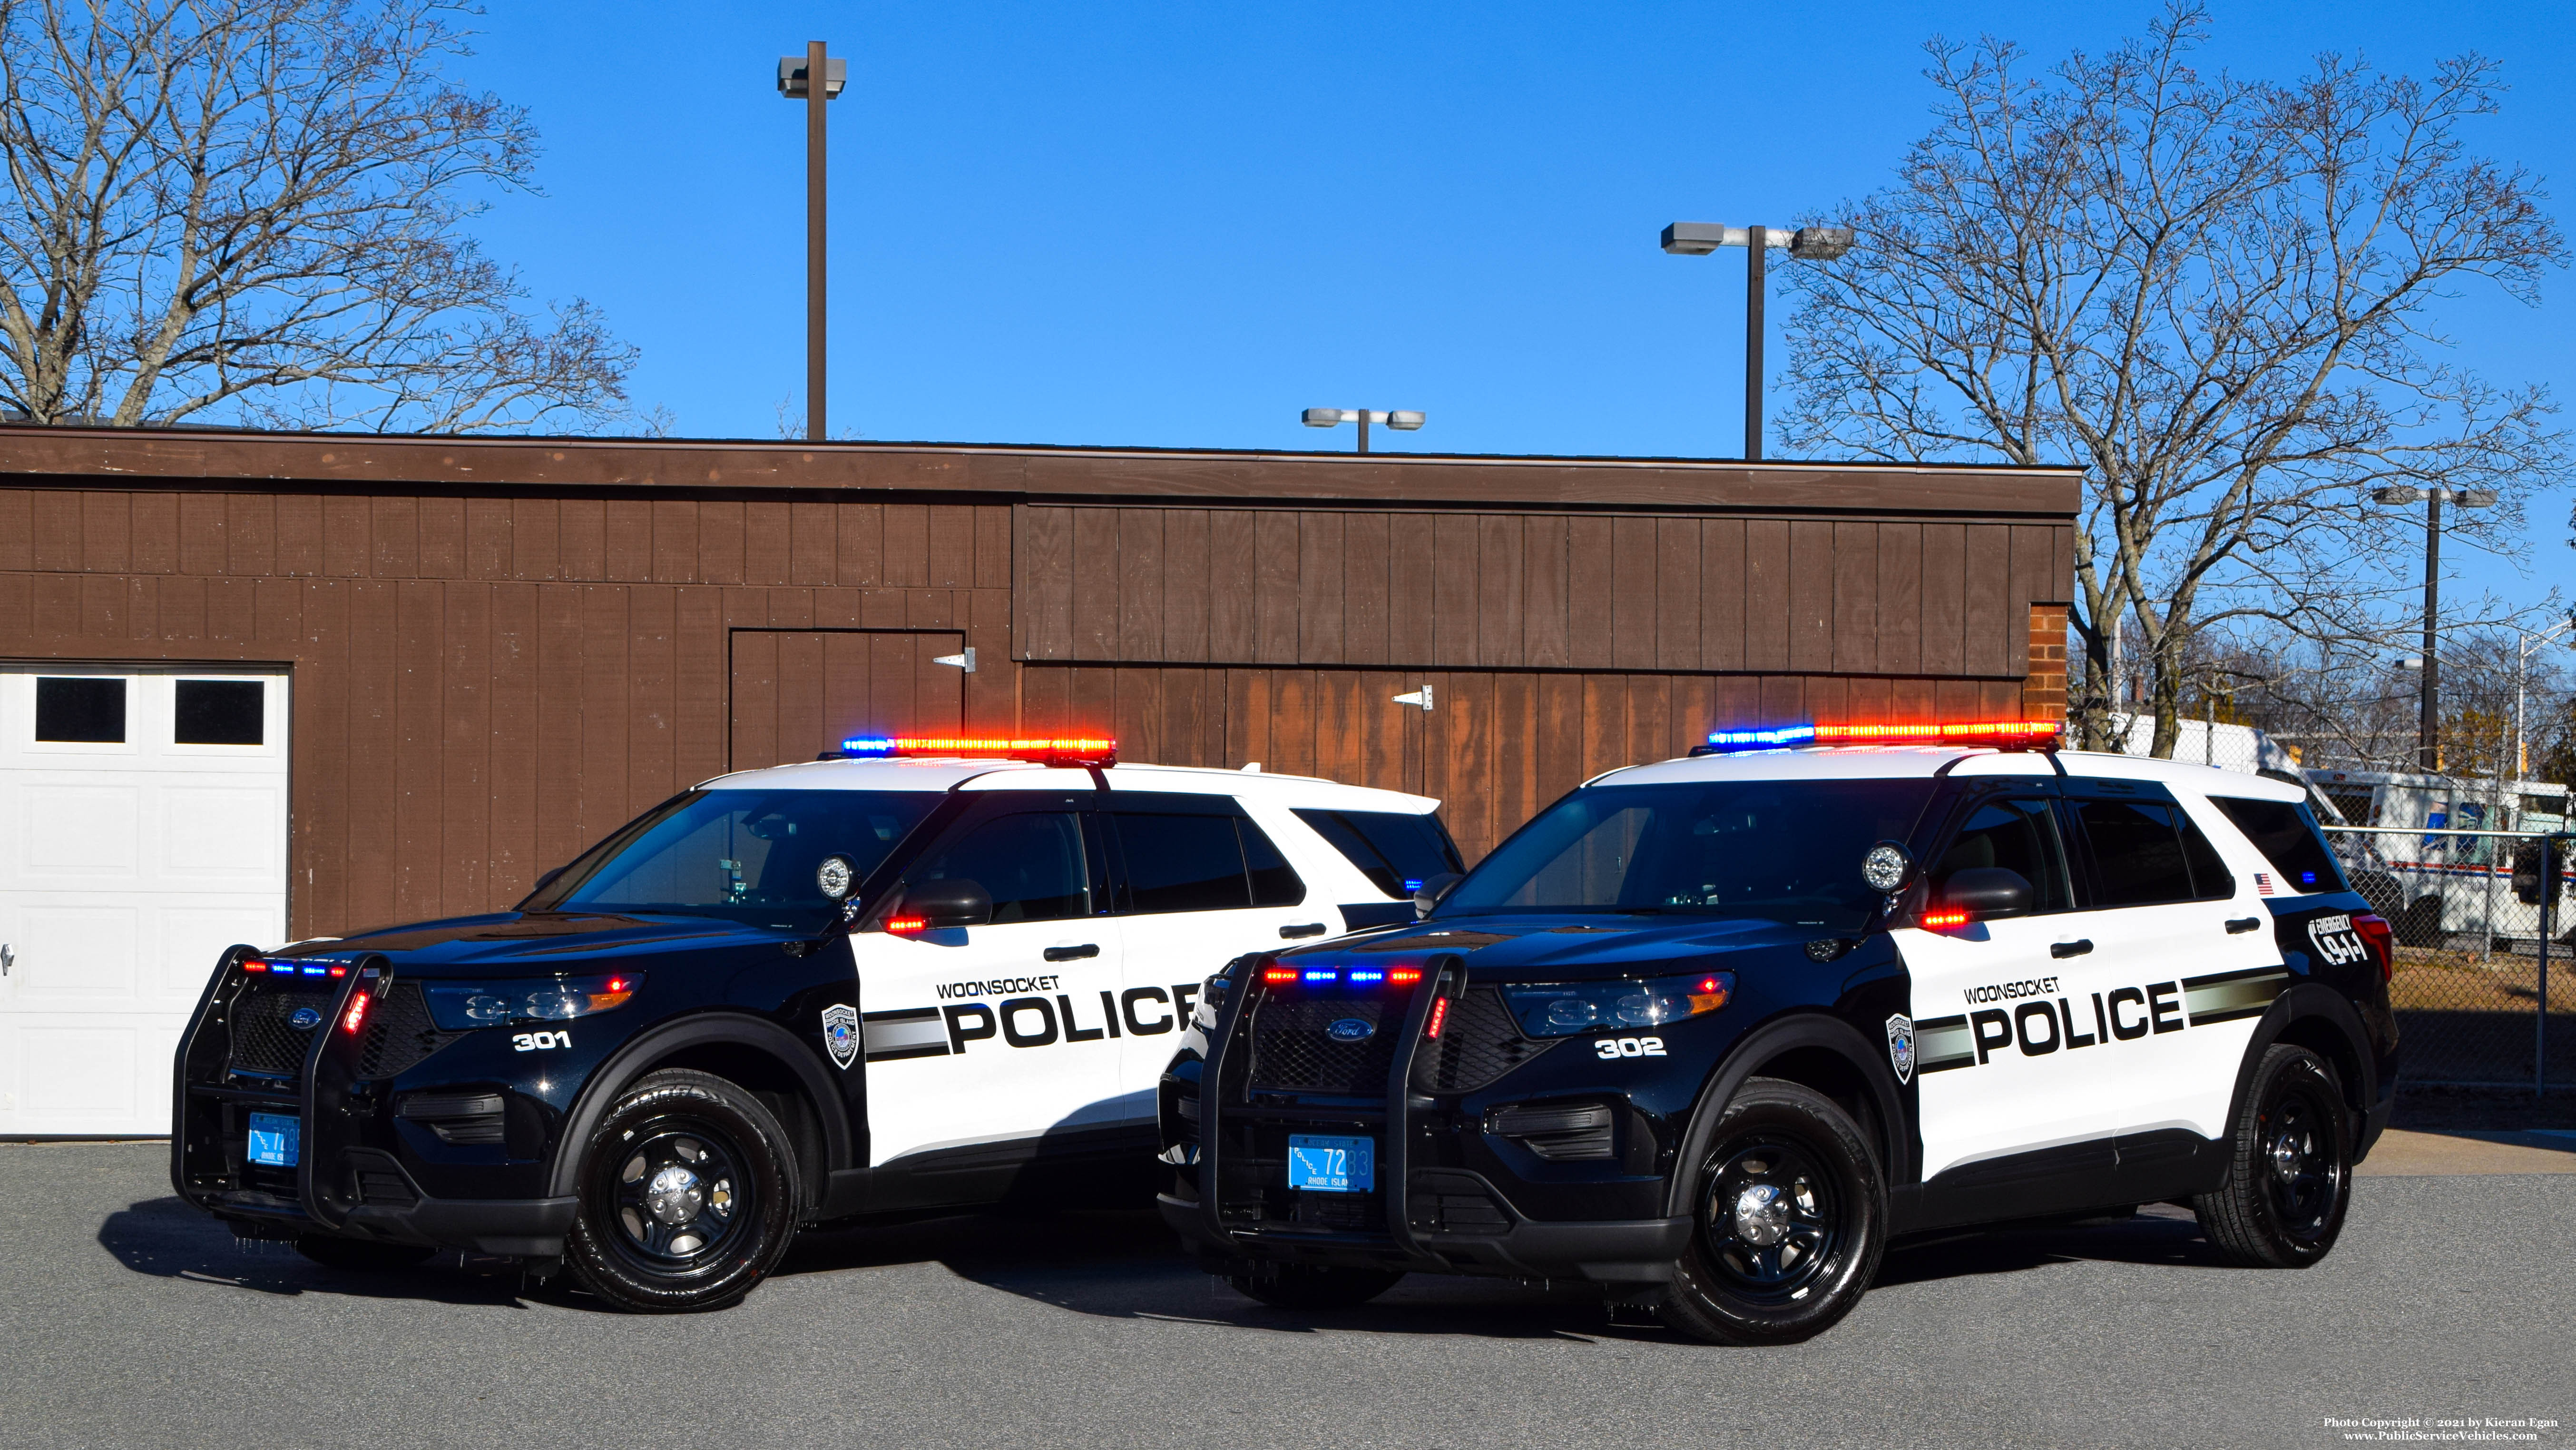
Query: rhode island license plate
[
  {"x": 275, "y": 1138},
  {"x": 1332, "y": 1165}
]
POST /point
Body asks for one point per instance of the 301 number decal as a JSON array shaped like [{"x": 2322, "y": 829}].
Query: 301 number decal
[
  {"x": 540, "y": 1041},
  {"x": 1608, "y": 1048}
]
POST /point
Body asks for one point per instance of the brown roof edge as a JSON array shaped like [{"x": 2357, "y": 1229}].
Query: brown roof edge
[{"x": 368, "y": 462}]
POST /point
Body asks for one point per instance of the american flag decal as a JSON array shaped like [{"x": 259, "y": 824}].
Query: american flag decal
[{"x": 2262, "y": 883}]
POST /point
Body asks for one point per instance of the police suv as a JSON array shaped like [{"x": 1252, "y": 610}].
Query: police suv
[
  {"x": 1712, "y": 1032},
  {"x": 927, "y": 973}
]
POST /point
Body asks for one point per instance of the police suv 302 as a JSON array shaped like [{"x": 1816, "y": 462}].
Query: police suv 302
[
  {"x": 1711, "y": 1032},
  {"x": 942, "y": 972}
]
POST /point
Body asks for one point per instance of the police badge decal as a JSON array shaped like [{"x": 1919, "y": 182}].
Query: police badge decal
[
  {"x": 1900, "y": 1046},
  {"x": 841, "y": 1032}
]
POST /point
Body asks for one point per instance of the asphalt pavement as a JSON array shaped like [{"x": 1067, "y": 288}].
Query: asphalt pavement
[{"x": 136, "y": 1322}]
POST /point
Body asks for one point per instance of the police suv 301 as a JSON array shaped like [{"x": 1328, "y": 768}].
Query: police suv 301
[
  {"x": 928, "y": 975},
  {"x": 1711, "y": 1032}
]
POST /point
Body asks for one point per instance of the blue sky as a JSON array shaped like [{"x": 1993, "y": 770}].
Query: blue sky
[{"x": 1179, "y": 225}]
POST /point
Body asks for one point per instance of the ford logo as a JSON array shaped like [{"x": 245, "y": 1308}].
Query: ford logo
[
  {"x": 1351, "y": 1029},
  {"x": 305, "y": 1019}
]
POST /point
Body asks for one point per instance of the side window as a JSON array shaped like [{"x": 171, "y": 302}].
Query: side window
[
  {"x": 2209, "y": 875},
  {"x": 1182, "y": 863},
  {"x": 2137, "y": 855},
  {"x": 2287, "y": 836},
  {"x": 1274, "y": 881},
  {"x": 1032, "y": 865},
  {"x": 1395, "y": 851},
  {"x": 2020, "y": 836}
]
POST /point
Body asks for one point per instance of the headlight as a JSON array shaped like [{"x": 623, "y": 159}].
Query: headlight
[
  {"x": 457, "y": 1006},
  {"x": 1562, "y": 1011}
]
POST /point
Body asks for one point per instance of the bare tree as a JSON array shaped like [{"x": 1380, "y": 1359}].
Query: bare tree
[
  {"x": 253, "y": 211},
  {"x": 2216, "y": 296}
]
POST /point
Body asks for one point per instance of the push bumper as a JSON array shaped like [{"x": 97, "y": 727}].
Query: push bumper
[
  {"x": 525, "y": 1228},
  {"x": 1635, "y": 1251}
]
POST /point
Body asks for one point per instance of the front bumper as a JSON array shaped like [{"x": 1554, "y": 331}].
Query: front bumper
[
  {"x": 1446, "y": 1199},
  {"x": 360, "y": 1172}
]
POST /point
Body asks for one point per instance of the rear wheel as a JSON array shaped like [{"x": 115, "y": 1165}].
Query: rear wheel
[
  {"x": 688, "y": 1196},
  {"x": 2289, "y": 1176},
  {"x": 1312, "y": 1286},
  {"x": 1792, "y": 1219},
  {"x": 360, "y": 1255}
]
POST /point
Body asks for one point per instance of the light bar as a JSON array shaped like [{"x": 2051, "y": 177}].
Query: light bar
[
  {"x": 1040, "y": 749},
  {"x": 1977, "y": 732}
]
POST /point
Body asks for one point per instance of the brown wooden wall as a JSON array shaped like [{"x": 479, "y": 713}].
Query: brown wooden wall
[
  {"x": 1524, "y": 590},
  {"x": 485, "y": 683}
]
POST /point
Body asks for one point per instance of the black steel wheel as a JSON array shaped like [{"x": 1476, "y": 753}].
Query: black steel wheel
[
  {"x": 2289, "y": 1175},
  {"x": 688, "y": 1196},
  {"x": 361, "y": 1255},
  {"x": 1312, "y": 1286},
  {"x": 1792, "y": 1220}
]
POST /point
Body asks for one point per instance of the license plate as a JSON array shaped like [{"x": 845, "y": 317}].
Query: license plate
[
  {"x": 275, "y": 1138},
  {"x": 1332, "y": 1165}
]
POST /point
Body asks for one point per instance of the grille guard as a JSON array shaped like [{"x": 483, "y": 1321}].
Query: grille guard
[{"x": 1227, "y": 1075}]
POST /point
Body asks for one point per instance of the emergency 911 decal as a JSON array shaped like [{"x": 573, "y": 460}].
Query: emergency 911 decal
[{"x": 2042, "y": 1024}]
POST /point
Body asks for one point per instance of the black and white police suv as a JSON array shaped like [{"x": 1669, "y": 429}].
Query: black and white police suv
[
  {"x": 1712, "y": 1032},
  {"x": 941, "y": 972}
]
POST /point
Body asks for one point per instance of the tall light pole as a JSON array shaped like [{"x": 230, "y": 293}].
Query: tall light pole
[
  {"x": 1806, "y": 244},
  {"x": 1401, "y": 419},
  {"x": 2428, "y": 707},
  {"x": 794, "y": 72}
]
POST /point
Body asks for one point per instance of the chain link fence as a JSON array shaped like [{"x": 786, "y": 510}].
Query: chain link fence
[{"x": 2471, "y": 986}]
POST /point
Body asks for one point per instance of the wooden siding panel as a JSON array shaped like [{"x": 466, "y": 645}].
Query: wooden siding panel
[
  {"x": 1412, "y": 592},
  {"x": 1811, "y": 596},
  {"x": 1986, "y": 622},
  {"x": 1855, "y": 620},
  {"x": 1042, "y": 582},
  {"x": 1095, "y": 584},
  {"x": 1722, "y": 594},
  {"x": 1543, "y": 592},
  {"x": 1320, "y": 597},
  {"x": 1501, "y": 556},
  {"x": 1234, "y": 631},
  {"x": 1138, "y": 554},
  {"x": 1367, "y": 621},
  {"x": 1274, "y": 582},
  {"x": 1632, "y": 598},
  {"x": 1189, "y": 578},
  {"x": 1592, "y": 586},
  {"x": 1766, "y": 594},
  {"x": 1678, "y": 576},
  {"x": 1945, "y": 594}
]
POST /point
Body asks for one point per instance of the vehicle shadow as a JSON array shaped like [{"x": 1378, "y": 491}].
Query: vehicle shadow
[{"x": 166, "y": 1238}]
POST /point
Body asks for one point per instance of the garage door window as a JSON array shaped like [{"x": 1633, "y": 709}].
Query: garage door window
[
  {"x": 80, "y": 709},
  {"x": 220, "y": 712}
]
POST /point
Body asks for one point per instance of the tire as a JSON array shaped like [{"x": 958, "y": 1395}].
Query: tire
[
  {"x": 1792, "y": 1220},
  {"x": 1312, "y": 1286},
  {"x": 689, "y": 1196},
  {"x": 2289, "y": 1167},
  {"x": 361, "y": 1255}
]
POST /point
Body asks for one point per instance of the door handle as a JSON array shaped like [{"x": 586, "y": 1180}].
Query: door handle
[
  {"x": 1069, "y": 954},
  {"x": 1312, "y": 928},
  {"x": 2064, "y": 949},
  {"x": 2244, "y": 923}
]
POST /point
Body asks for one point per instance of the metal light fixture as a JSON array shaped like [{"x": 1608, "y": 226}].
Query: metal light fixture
[
  {"x": 2428, "y": 706},
  {"x": 1806, "y": 244},
  {"x": 1403, "y": 420}
]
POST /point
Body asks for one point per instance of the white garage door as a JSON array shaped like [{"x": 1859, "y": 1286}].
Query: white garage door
[{"x": 142, "y": 831}]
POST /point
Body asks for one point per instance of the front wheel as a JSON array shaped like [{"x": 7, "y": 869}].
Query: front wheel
[
  {"x": 688, "y": 1196},
  {"x": 1312, "y": 1286},
  {"x": 1792, "y": 1220},
  {"x": 2289, "y": 1169}
]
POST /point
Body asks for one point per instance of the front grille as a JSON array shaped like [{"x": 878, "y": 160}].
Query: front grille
[
  {"x": 1293, "y": 1050},
  {"x": 263, "y": 1040},
  {"x": 400, "y": 1033},
  {"x": 1478, "y": 1044}
]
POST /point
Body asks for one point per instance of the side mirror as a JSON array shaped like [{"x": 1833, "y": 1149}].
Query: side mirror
[
  {"x": 949, "y": 903},
  {"x": 1431, "y": 892},
  {"x": 1987, "y": 893},
  {"x": 548, "y": 879}
]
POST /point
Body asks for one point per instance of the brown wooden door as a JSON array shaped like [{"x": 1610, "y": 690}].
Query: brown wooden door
[{"x": 798, "y": 692}]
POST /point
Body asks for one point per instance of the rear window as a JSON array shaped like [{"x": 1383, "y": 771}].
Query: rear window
[
  {"x": 1201, "y": 863},
  {"x": 2288, "y": 838},
  {"x": 1395, "y": 851}
]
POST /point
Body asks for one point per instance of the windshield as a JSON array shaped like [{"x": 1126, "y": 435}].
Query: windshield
[
  {"x": 1786, "y": 850},
  {"x": 748, "y": 855}
]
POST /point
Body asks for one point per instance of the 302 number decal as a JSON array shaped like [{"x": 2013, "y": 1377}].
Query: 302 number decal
[
  {"x": 1608, "y": 1048},
  {"x": 540, "y": 1041}
]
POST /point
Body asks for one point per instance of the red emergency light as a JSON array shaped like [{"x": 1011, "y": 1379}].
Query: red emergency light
[{"x": 1038, "y": 749}]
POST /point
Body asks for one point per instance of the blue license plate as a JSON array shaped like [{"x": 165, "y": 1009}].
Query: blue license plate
[
  {"x": 275, "y": 1138},
  {"x": 1332, "y": 1165}
]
